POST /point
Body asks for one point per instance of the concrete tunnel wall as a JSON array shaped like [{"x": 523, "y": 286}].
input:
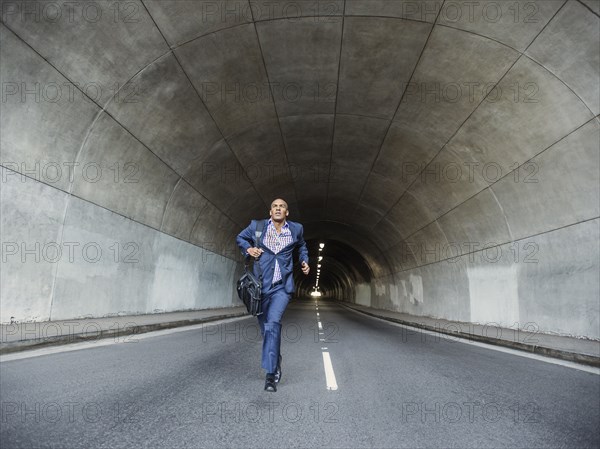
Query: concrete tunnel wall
[{"x": 137, "y": 140}]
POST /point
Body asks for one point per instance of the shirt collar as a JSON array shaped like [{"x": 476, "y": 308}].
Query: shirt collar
[{"x": 285, "y": 226}]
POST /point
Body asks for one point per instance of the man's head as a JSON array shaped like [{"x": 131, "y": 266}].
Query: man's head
[{"x": 279, "y": 210}]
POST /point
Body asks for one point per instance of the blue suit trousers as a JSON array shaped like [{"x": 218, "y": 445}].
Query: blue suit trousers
[{"x": 275, "y": 300}]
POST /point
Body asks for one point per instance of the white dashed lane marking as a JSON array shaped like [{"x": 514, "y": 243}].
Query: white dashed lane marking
[
  {"x": 330, "y": 379},
  {"x": 329, "y": 374}
]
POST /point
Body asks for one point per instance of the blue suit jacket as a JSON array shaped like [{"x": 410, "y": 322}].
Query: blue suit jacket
[{"x": 245, "y": 240}]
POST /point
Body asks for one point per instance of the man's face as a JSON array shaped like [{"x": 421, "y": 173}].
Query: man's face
[{"x": 279, "y": 210}]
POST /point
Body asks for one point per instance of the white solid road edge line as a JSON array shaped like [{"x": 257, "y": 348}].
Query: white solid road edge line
[
  {"x": 566, "y": 363},
  {"x": 329, "y": 374}
]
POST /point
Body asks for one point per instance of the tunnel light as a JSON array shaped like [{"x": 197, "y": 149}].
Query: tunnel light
[
  {"x": 318, "y": 265},
  {"x": 320, "y": 258},
  {"x": 321, "y": 245},
  {"x": 315, "y": 293}
]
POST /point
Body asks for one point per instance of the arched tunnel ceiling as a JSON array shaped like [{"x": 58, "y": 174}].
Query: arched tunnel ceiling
[{"x": 373, "y": 119}]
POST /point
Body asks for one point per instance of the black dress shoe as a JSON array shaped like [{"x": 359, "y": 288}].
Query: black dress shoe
[
  {"x": 278, "y": 370},
  {"x": 270, "y": 384}
]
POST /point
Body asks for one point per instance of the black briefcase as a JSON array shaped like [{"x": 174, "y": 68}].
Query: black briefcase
[
  {"x": 249, "y": 287},
  {"x": 249, "y": 290}
]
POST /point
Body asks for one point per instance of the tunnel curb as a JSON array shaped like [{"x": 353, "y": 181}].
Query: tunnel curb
[
  {"x": 25, "y": 345},
  {"x": 585, "y": 359}
]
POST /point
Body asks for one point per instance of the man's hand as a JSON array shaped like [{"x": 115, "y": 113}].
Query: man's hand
[
  {"x": 254, "y": 252},
  {"x": 305, "y": 268}
]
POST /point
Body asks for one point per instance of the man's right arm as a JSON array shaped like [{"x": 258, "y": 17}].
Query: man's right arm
[{"x": 245, "y": 239}]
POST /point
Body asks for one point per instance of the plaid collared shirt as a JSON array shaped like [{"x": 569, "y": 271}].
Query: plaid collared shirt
[{"x": 276, "y": 242}]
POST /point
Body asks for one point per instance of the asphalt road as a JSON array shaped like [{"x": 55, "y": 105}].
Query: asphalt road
[{"x": 203, "y": 387}]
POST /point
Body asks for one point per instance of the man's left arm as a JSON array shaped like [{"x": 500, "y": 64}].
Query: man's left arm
[{"x": 302, "y": 251}]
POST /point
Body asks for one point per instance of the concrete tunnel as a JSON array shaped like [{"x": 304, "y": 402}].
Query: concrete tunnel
[{"x": 446, "y": 154}]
